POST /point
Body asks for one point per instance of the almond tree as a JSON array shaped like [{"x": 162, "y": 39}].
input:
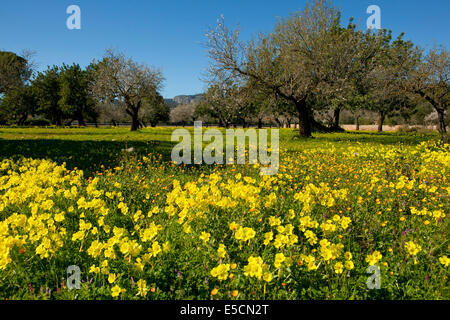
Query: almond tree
[
  {"x": 306, "y": 54},
  {"x": 225, "y": 100},
  {"x": 120, "y": 78},
  {"x": 430, "y": 81}
]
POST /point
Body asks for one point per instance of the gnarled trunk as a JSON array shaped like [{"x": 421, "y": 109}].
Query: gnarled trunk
[
  {"x": 303, "y": 119},
  {"x": 133, "y": 112},
  {"x": 22, "y": 119},
  {"x": 441, "y": 117},
  {"x": 336, "y": 116},
  {"x": 381, "y": 117},
  {"x": 259, "y": 123},
  {"x": 279, "y": 124},
  {"x": 134, "y": 122},
  {"x": 80, "y": 118}
]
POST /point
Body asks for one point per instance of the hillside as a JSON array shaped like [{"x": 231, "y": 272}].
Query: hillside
[{"x": 183, "y": 99}]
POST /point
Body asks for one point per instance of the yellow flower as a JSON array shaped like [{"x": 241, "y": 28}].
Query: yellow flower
[
  {"x": 244, "y": 234},
  {"x": 205, "y": 236},
  {"x": 214, "y": 291},
  {"x": 123, "y": 208},
  {"x": 349, "y": 265},
  {"x": 94, "y": 269},
  {"x": 59, "y": 217},
  {"x": 444, "y": 260},
  {"x": 348, "y": 255},
  {"x": 267, "y": 277},
  {"x": 291, "y": 214},
  {"x": 268, "y": 236},
  {"x": 142, "y": 288},
  {"x": 274, "y": 221},
  {"x": 279, "y": 258},
  {"x": 412, "y": 248},
  {"x": 116, "y": 291},
  {"x": 338, "y": 267},
  {"x": 373, "y": 258},
  {"x": 155, "y": 249},
  {"x": 166, "y": 246},
  {"x": 221, "y": 251},
  {"x": 254, "y": 268},
  {"x": 139, "y": 264},
  {"x": 233, "y": 226},
  {"x": 112, "y": 277},
  {"x": 234, "y": 293},
  {"x": 221, "y": 271}
]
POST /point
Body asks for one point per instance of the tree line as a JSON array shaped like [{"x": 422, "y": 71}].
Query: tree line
[{"x": 113, "y": 87}]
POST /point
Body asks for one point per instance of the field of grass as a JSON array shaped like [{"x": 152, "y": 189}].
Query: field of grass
[{"x": 141, "y": 227}]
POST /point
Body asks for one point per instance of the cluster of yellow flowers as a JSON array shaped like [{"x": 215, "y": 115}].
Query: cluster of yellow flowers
[
  {"x": 374, "y": 258},
  {"x": 257, "y": 228},
  {"x": 221, "y": 271},
  {"x": 413, "y": 248}
]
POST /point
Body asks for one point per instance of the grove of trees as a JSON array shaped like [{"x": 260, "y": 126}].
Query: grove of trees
[
  {"x": 310, "y": 62},
  {"x": 310, "y": 66},
  {"x": 113, "y": 89}
]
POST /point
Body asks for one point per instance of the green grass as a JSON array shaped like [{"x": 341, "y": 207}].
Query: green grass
[
  {"x": 90, "y": 148},
  {"x": 372, "y": 167}
]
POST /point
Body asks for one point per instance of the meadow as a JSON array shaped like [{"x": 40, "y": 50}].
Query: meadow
[{"x": 141, "y": 227}]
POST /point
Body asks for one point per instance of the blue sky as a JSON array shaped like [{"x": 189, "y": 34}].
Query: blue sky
[{"x": 169, "y": 33}]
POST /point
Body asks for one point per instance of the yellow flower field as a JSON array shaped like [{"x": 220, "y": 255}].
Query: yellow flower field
[{"x": 153, "y": 230}]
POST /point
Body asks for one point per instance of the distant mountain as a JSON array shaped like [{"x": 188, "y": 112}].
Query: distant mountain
[
  {"x": 171, "y": 103},
  {"x": 183, "y": 99}
]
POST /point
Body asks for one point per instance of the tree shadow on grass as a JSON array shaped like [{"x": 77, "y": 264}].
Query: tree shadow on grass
[
  {"x": 383, "y": 138},
  {"x": 86, "y": 155}
]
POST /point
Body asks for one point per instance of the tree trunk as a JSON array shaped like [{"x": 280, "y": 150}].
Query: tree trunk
[
  {"x": 303, "y": 119},
  {"x": 22, "y": 119},
  {"x": 440, "y": 111},
  {"x": 357, "y": 123},
  {"x": 134, "y": 122},
  {"x": 58, "y": 120},
  {"x": 133, "y": 111},
  {"x": 80, "y": 119},
  {"x": 336, "y": 115},
  {"x": 381, "y": 117},
  {"x": 278, "y": 122},
  {"x": 441, "y": 117},
  {"x": 259, "y": 123}
]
